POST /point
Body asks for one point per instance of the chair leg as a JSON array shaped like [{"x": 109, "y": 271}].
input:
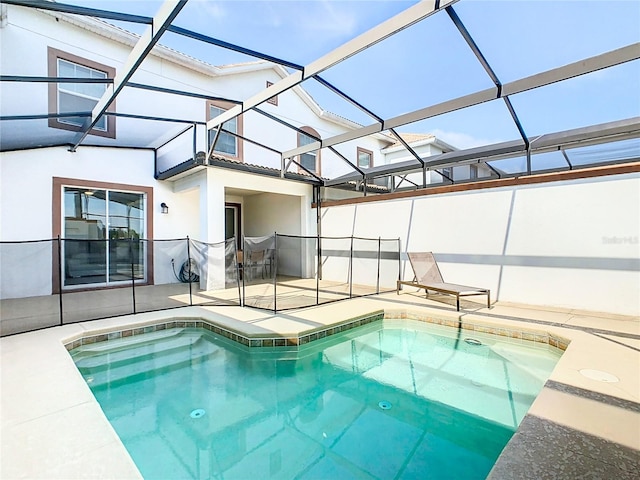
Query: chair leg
[
  {"x": 458, "y": 303},
  {"x": 488, "y": 299}
]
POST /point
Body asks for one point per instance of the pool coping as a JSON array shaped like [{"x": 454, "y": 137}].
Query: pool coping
[
  {"x": 555, "y": 438},
  {"x": 259, "y": 340}
]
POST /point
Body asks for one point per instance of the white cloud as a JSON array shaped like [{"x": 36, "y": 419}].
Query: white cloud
[
  {"x": 337, "y": 19},
  {"x": 463, "y": 140},
  {"x": 211, "y": 10},
  {"x": 310, "y": 18}
]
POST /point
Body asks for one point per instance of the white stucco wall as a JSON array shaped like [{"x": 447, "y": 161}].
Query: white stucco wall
[
  {"x": 26, "y": 196},
  {"x": 268, "y": 205},
  {"x": 571, "y": 244},
  {"x": 196, "y": 203},
  {"x": 269, "y": 213}
]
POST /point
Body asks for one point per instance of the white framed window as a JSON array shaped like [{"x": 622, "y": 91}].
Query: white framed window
[
  {"x": 78, "y": 97},
  {"x": 365, "y": 158},
  {"x": 227, "y": 145},
  {"x": 309, "y": 160},
  {"x": 473, "y": 171}
]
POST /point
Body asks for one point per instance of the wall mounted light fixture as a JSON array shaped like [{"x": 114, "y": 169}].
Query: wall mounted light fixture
[{"x": 164, "y": 207}]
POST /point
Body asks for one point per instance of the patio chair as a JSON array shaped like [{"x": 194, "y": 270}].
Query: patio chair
[
  {"x": 256, "y": 262},
  {"x": 427, "y": 275}
]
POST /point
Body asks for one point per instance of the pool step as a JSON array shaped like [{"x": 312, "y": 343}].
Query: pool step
[
  {"x": 119, "y": 363},
  {"x": 111, "y": 353}
]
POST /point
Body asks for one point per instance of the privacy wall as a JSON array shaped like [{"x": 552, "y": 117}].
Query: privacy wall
[{"x": 569, "y": 244}]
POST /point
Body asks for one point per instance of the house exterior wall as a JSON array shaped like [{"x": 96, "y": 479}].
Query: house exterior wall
[
  {"x": 269, "y": 213},
  {"x": 41, "y": 30},
  {"x": 196, "y": 204},
  {"x": 571, "y": 244},
  {"x": 196, "y": 201},
  {"x": 26, "y": 199}
]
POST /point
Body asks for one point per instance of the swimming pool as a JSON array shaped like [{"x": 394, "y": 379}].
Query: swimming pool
[{"x": 392, "y": 399}]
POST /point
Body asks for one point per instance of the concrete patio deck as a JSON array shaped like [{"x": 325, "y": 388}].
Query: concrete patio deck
[{"x": 584, "y": 423}]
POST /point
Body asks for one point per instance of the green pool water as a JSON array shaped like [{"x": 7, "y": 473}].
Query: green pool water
[{"x": 392, "y": 399}]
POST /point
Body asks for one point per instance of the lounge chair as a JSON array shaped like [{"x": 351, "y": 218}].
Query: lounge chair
[{"x": 427, "y": 275}]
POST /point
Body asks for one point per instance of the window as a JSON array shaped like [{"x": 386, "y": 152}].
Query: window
[
  {"x": 309, "y": 160},
  {"x": 228, "y": 145},
  {"x": 448, "y": 173},
  {"x": 273, "y": 100},
  {"x": 473, "y": 172},
  {"x": 104, "y": 228},
  {"x": 78, "y": 97},
  {"x": 365, "y": 158}
]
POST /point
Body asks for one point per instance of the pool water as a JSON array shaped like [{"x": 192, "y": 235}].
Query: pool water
[{"x": 392, "y": 399}]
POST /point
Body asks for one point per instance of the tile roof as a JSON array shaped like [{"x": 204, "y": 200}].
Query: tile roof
[{"x": 412, "y": 137}]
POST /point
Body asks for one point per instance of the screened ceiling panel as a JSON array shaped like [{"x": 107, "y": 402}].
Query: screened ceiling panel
[
  {"x": 324, "y": 96},
  {"x": 419, "y": 66},
  {"x": 597, "y": 97},
  {"x": 482, "y": 124},
  {"x": 23, "y": 134},
  {"x": 521, "y": 38},
  {"x": 510, "y": 166},
  {"x": 459, "y": 55},
  {"x": 130, "y": 133},
  {"x": 549, "y": 161},
  {"x": 201, "y": 50},
  {"x": 145, "y": 8},
  {"x": 12, "y": 95},
  {"x": 622, "y": 150},
  {"x": 275, "y": 26}
]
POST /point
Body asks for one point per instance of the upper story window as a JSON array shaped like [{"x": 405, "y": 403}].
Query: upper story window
[
  {"x": 448, "y": 173},
  {"x": 365, "y": 158},
  {"x": 228, "y": 145},
  {"x": 78, "y": 97},
  {"x": 473, "y": 172},
  {"x": 309, "y": 160},
  {"x": 273, "y": 100}
]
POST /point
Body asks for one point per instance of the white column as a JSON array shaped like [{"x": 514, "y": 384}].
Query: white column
[{"x": 212, "y": 231}]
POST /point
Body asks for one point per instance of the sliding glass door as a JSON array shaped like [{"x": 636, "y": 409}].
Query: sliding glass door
[{"x": 98, "y": 228}]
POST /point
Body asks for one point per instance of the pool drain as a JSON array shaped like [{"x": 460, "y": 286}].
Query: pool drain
[
  {"x": 472, "y": 341},
  {"x": 384, "y": 405},
  {"x": 197, "y": 413}
]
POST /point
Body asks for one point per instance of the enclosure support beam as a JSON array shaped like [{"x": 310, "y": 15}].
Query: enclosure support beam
[
  {"x": 308, "y": 171},
  {"x": 319, "y": 235},
  {"x": 566, "y": 158},
  {"x": 582, "y": 67},
  {"x": 413, "y": 153},
  {"x": 124, "y": 17},
  {"x": 346, "y": 160},
  {"x": 487, "y": 67},
  {"x": 213, "y": 144},
  {"x": 76, "y": 10},
  {"x": 494, "y": 170},
  {"x": 408, "y": 17},
  {"x": 346, "y": 97},
  {"x": 167, "y": 13}
]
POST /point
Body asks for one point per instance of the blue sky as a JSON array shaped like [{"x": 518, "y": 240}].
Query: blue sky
[{"x": 429, "y": 62}]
